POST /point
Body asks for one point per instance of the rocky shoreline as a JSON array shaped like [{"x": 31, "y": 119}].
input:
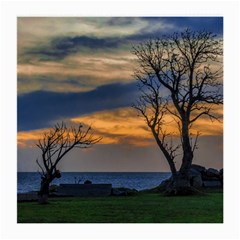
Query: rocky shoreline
[
  {"x": 208, "y": 178},
  {"x": 200, "y": 178}
]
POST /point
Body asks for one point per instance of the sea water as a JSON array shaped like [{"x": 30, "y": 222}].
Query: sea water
[{"x": 30, "y": 181}]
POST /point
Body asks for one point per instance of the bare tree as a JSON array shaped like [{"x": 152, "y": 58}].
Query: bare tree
[
  {"x": 54, "y": 145},
  {"x": 179, "y": 75},
  {"x": 153, "y": 108}
]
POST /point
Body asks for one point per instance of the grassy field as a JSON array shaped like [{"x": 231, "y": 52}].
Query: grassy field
[{"x": 142, "y": 208}]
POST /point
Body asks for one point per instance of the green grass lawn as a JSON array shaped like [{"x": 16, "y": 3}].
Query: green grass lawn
[{"x": 142, "y": 208}]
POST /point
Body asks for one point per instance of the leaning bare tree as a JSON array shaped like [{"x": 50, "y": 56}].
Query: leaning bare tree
[
  {"x": 54, "y": 145},
  {"x": 181, "y": 76}
]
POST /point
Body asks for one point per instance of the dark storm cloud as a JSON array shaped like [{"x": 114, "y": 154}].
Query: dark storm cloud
[
  {"x": 38, "y": 109},
  {"x": 63, "y": 46}
]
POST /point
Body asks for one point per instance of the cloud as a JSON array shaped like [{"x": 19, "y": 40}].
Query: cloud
[
  {"x": 76, "y": 52},
  {"x": 50, "y": 38},
  {"x": 62, "y": 46},
  {"x": 118, "y": 126},
  {"x": 28, "y": 139},
  {"x": 56, "y": 83},
  {"x": 88, "y": 70},
  {"x": 39, "y": 109},
  {"x": 95, "y": 26},
  {"x": 123, "y": 126}
]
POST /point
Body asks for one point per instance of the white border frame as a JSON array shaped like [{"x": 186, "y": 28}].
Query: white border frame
[{"x": 10, "y": 10}]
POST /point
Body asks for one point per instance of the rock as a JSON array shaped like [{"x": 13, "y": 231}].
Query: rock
[
  {"x": 207, "y": 178},
  {"x": 197, "y": 181},
  {"x": 221, "y": 179},
  {"x": 195, "y": 178},
  {"x": 160, "y": 188},
  {"x": 198, "y": 168},
  {"x": 118, "y": 192},
  {"x": 193, "y": 172},
  {"x": 163, "y": 185},
  {"x": 211, "y": 172},
  {"x": 165, "y": 182},
  {"x": 123, "y": 192},
  {"x": 87, "y": 182},
  {"x": 212, "y": 184},
  {"x": 221, "y": 176},
  {"x": 131, "y": 192}
]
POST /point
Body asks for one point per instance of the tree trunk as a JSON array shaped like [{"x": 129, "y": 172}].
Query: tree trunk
[
  {"x": 186, "y": 163},
  {"x": 179, "y": 183},
  {"x": 46, "y": 180},
  {"x": 187, "y": 149},
  {"x": 165, "y": 152},
  {"x": 44, "y": 191}
]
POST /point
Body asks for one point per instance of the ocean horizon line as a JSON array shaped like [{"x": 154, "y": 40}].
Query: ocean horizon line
[{"x": 98, "y": 172}]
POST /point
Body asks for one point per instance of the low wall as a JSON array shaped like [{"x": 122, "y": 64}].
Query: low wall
[
  {"x": 22, "y": 197},
  {"x": 84, "y": 190}
]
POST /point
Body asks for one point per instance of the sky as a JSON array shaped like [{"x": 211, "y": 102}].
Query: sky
[{"x": 80, "y": 69}]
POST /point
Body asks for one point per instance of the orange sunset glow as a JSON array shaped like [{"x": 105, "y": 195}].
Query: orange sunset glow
[{"x": 123, "y": 125}]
